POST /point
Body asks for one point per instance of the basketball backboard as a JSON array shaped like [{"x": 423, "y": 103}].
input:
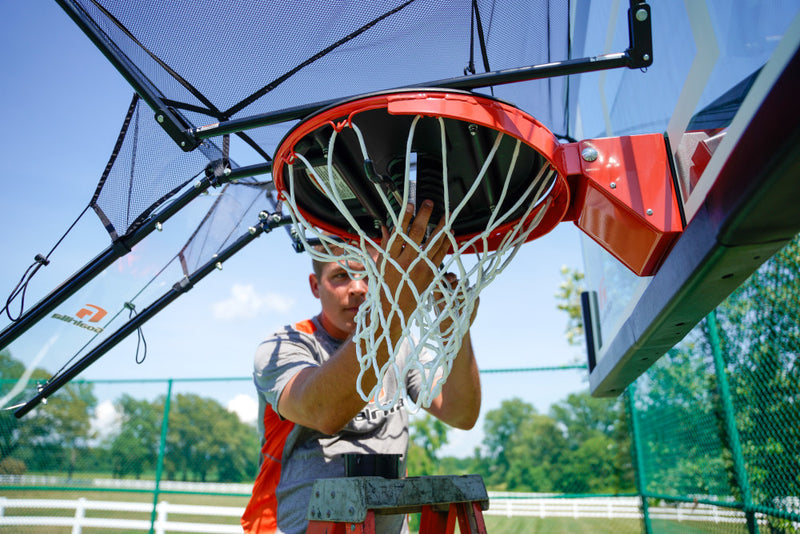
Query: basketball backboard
[{"x": 732, "y": 132}]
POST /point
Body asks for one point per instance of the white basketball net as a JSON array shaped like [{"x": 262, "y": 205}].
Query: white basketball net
[{"x": 432, "y": 333}]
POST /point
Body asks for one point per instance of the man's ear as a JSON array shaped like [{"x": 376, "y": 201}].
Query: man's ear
[{"x": 314, "y": 284}]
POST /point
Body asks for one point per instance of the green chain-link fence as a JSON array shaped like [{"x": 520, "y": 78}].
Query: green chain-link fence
[
  {"x": 706, "y": 440},
  {"x": 135, "y": 456},
  {"x": 717, "y": 420}
]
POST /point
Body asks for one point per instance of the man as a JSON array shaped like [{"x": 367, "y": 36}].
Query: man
[{"x": 312, "y": 413}]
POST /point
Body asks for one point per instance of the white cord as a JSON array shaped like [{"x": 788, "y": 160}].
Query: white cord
[{"x": 424, "y": 347}]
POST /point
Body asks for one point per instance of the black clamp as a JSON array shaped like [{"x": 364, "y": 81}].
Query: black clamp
[
  {"x": 177, "y": 127},
  {"x": 297, "y": 245},
  {"x": 217, "y": 171},
  {"x": 270, "y": 221},
  {"x": 184, "y": 285},
  {"x": 41, "y": 260},
  {"x": 640, "y": 36},
  {"x": 120, "y": 247}
]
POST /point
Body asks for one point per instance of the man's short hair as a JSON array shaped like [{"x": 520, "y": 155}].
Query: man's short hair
[{"x": 318, "y": 265}]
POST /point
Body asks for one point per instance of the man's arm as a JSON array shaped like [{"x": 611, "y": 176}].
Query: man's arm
[
  {"x": 325, "y": 398},
  {"x": 459, "y": 403}
]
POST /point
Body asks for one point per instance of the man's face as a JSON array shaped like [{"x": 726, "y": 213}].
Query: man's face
[{"x": 340, "y": 297}]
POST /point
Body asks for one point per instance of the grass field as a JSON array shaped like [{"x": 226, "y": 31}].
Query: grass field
[
  {"x": 557, "y": 525},
  {"x": 565, "y": 525}
]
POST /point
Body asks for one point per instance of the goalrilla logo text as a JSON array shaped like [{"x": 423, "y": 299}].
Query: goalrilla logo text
[{"x": 91, "y": 313}]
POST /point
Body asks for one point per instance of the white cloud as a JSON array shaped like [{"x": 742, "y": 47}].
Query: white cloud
[
  {"x": 106, "y": 419},
  {"x": 245, "y": 406},
  {"x": 246, "y": 303}
]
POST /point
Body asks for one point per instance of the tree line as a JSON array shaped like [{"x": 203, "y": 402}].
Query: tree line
[
  {"x": 205, "y": 442},
  {"x": 581, "y": 446}
]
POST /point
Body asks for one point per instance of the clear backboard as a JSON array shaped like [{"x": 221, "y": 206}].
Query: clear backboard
[{"x": 732, "y": 131}]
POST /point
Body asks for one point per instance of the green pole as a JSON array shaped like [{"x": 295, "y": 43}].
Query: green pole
[
  {"x": 161, "y": 448},
  {"x": 730, "y": 422},
  {"x": 638, "y": 462}
]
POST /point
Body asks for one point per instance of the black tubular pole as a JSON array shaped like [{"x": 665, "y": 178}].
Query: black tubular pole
[
  {"x": 559, "y": 68},
  {"x": 113, "y": 253},
  {"x": 146, "y": 314},
  {"x": 169, "y": 119}
]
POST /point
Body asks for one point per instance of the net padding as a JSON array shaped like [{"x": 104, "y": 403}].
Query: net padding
[{"x": 341, "y": 192}]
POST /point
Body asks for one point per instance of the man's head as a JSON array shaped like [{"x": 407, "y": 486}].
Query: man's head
[{"x": 340, "y": 294}]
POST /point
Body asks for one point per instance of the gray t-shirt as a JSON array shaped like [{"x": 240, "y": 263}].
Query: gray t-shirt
[{"x": 308, "y": 454}]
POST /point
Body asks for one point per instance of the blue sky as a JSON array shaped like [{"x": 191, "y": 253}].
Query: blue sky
[{"x": 62, "y": 106}]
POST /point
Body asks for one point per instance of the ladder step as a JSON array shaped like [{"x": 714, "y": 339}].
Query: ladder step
[{"x": 350, "y": 504}]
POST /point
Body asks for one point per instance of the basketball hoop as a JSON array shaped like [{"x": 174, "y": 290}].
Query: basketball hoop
[{"x": 491, "y": 171}]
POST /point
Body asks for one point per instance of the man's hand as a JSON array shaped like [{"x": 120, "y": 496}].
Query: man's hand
[
  {"x": 450, "y": 282},
  {"x": 325, "y": 397},
  {"x": 407, "y": 259}
]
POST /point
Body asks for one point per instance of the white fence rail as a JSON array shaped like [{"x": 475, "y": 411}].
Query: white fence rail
[
  {"x": 125, "y": 483},
  {"x": 78, "y": 520},
  {"x": 501, "y": 504},
  {"x": 608, "y": 508}
]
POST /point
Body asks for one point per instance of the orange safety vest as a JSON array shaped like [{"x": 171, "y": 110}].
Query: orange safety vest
[{"x": 261, "y": 514}]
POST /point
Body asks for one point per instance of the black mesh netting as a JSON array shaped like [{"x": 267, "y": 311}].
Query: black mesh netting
[
  {"x": 233, "y": 212},
  {"x": 145, "y": 169},
  {"x": 222, "y": 60}
]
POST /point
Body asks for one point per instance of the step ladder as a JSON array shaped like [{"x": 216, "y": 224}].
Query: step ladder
[{"x": 349, "y": 505}]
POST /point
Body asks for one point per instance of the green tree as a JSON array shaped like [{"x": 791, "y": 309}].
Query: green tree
[
  {"x": 591, "y": 467},
  {"x": 597, "y": 459},
  {"x": 428, "y": 436},
  {"x": 584, "y": 416},
  {"x": 54, "y": 435},
  {"x": 569, "y": 301},
  {"x": 17, "y": 439},
  {"x": 10, "y": 370},
  {"x": 235, "y": 461},
  {"x": 599, "y": 448},
  {"x": 535, "y": 454},
  {"x": 134, "y": 448},
  {"x": 500, "y": 427},
  {"x": 204, "y": 438},
  {"x": 68, "y": 415}
]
